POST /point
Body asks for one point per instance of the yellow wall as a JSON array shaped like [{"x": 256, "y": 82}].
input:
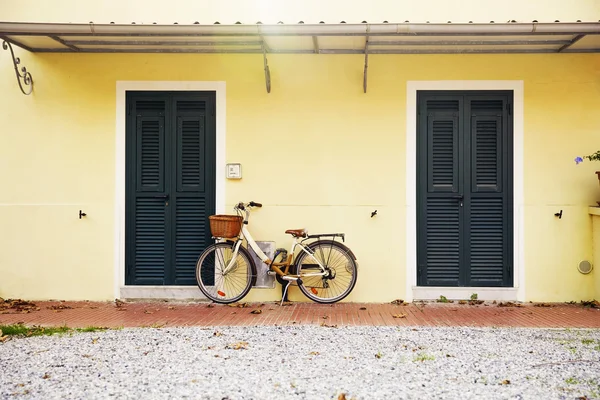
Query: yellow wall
[
  {"x": 309, "y": 11},
  {"x": 57, "y": 156}
]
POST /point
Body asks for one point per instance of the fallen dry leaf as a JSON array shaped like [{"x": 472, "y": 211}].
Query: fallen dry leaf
[
  {"x": 363, "y": 308},
  {"x": 217, "y": 333},
  {"x": 237, "y": 346},
  {"x": 325, "y": 317},
  {"x": 46, "y": 376},
  {"x": 17, "y": 306},
  {"x": 506, "y": 382},
  {"x": 314, "y": 353},
  {"x": 462, "y": 302},
  {"x": 403, "y": 315},
  {"x": 543, "y": 305},
  {"x": 4, "y": 338},
  {"x": 171, "y": 308},
  {"x": 119, "y": 303},
  {"x": 342, "y": 396},
  {"x": 328, "y": 326},
  {"x": 591, "y": 303},
  {"x": 211, "y": 305},
  {"x": 59, "y": 307},
  {"x": 398, "y": 301},
  {"x": 238, "y": 305},
  {"x": 94, "y": 340},
  {"x": 509, "y": 304},
  {"x": 257, "y": 311},
  {"x": 148, "y": 312}
]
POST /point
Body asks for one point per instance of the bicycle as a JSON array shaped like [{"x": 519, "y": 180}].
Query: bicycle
[{"x": 320, "y": 268}]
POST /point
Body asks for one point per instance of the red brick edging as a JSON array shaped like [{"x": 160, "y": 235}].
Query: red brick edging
[{"x": 160, "y": 314}]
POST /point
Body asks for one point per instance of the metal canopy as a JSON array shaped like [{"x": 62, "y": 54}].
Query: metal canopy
[
  {"x": 323, "y": 38},
  {"x": 339, "y": 38}
]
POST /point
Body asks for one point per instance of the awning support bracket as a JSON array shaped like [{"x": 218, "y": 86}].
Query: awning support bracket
[
  {"x": 267, "y": 71},
  {"x": 265, "y": 48},
  {"x": 366, "y": 60},
  {"x": 23, "y": 75}
]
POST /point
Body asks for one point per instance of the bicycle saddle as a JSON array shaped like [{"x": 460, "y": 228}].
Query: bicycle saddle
[{"x": 297, "y": 232}]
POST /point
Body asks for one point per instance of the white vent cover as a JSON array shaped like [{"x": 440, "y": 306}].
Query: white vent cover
[
  {"x": 263, "y": 281},
  {"x": 585, "y": 267}
]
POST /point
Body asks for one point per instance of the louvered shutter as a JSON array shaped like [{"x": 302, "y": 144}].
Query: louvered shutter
[
  {"x": 441, "y": 228},
  {"x": 464, "y": 194},
  {"x": 487, "y": 234},
  {"x": 193, "y": 199},
  {"x": 170, "y": 184},
  {"x": 148, "y": 216}
]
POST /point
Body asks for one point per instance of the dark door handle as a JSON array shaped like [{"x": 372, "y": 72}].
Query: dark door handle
[
  {"x": 162, "y": 196},
  {"x": 459, "y": 198}
]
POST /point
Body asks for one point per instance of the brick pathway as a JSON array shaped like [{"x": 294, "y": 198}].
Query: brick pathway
[{"x": 144, "y": 314}]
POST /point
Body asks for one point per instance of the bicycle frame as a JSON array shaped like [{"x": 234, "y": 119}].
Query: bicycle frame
[{"x": 244, "y": 233}]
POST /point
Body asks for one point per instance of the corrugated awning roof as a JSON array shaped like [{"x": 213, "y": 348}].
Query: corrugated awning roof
[{"x": 300, "y": 38}]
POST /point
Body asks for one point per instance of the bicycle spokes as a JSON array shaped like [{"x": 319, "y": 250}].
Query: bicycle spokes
[{"x": 339, "y": 275}]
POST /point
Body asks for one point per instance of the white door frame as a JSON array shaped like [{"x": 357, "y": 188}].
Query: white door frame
[
  {"x": 219, "y": 87},
  {"x": 413, "y": 292}
]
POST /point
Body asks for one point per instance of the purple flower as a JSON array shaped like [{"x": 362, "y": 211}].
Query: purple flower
[{"x": 578, "y": 160}]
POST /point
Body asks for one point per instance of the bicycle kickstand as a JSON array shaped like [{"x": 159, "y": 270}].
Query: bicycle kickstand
[{"x": 284, "y": 295}]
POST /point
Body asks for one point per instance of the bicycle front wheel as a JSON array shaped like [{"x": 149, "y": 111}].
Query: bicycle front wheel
[
  {"x": 340, "y": 267},
  {"x": 219, "y": 279}
]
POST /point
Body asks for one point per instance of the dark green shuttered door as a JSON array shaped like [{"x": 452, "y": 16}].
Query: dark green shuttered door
[
  {"x": 170, "y": 184},
  {"x": 464, "y": 189}
]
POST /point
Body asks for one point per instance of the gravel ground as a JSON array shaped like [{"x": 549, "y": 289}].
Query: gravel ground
[{"x": 297, "y": 362}]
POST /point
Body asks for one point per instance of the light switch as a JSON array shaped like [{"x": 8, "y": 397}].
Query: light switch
[{"x": 234, "y": 171}]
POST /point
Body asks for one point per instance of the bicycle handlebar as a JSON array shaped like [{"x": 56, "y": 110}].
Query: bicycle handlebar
[{"x": 241, "y": 205}]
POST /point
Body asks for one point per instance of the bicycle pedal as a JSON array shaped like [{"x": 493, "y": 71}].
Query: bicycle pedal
[{"x": 271, "y": 273}]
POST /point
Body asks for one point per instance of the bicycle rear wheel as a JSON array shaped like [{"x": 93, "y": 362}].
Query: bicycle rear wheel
[
  {"x": 341, "y": 272},
  {"x": 219, "y": 286}
]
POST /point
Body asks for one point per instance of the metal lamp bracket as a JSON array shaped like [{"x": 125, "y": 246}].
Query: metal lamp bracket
[{"x": 23, "y": 75}]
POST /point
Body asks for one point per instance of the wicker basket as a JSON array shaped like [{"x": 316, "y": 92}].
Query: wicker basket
[{"x": 225, "y": 226}]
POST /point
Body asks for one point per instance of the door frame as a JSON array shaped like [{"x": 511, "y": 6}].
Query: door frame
[
  {"x": 415, "y": 292},
  {"x": 122, "y": 87}
]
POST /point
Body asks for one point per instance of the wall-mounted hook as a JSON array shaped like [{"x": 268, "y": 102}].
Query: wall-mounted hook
[
  {"x": 559, "y": 215},
  {"x": 81, "y": 214},
  {"x": 374, "y": 213}
]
